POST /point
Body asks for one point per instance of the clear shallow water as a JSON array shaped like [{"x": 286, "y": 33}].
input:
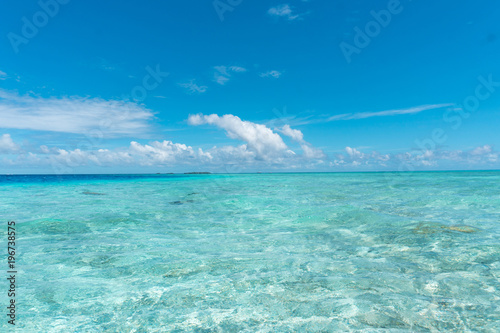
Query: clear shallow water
[{"x": 256, "y": 253}]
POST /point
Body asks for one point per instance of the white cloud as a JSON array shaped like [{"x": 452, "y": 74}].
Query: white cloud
[
  {"x": 73, "y": 115},
  {"x": 354, "y": 153},
  {"x": 7, "y": 145},
  {"x": 237, "y": 69},
  {"x": 262, "y": 142},
  {"x": 307, "y": 148},
  {"x": 3, "y": 75},
  {"x": 157, "y": 154},
  {"x": 293, "y": 133},
  {"x": 311, "y": 152},
  {"x": 260, "y": 139},
  {"x": 343, "y": 116},
  {"x": 221, "y": 79},
  {"x": 193, "y": 87},
  {"x": 222, "y": 74},
  {"x": 481, "y": 156},
  {"x": 486, "y": 149},
  {"x": 273, "y": 74},
  {"x": 363, "y": 115},
  {"x": 165, "y": 152},
  {"x": 284, "y": 11},
  {"x": 242, "y": 157}
]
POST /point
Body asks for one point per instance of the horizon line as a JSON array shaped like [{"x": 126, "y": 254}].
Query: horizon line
[{"x": 205, "y": 173}]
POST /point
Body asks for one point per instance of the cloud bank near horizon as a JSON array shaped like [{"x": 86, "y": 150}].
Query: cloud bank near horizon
[
  {"x": 241, "y": 158},
  {"x": 261, "y": 145}
]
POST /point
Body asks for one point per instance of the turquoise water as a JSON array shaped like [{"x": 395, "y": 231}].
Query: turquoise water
[{"x": 361, "y": 252}]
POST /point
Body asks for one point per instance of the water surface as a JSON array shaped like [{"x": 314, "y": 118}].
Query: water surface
[{"x": 364, "y": 252}]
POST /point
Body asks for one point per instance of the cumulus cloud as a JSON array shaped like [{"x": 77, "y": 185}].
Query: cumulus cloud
[
  {"x": 311, "y": 152},
  {"x": 165, "y": 152},
  {"x": 307, "y": 148},
  {"x": 486, "y": 149},
  {"x": 478, "y": 154},
  {"x": 7, "y": 145},
  {"x": 3, "y": 75},
  {"x": 73, "y": 115},
  {"x": 222, "y": 74},
  {"x": 354, "y": 153},
  {"x": 272, "y": 74},
  {"x": 157, "y": 153},
  {"x": 292, "y": 133},
  {"x": 284, "y": 11},
  {"x": 259, "y": 138},
  {"x": 192, "y": 87},
  {"x": 261, "y": 142}
]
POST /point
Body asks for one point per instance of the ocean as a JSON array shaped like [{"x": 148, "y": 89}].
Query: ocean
[{"x": 296, "y": 252}]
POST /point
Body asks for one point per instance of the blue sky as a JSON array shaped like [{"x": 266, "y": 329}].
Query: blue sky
[{"x": 241, "y": 86}]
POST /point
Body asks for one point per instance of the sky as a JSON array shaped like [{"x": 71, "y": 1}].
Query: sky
[{"x": 249, "y": 86}]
